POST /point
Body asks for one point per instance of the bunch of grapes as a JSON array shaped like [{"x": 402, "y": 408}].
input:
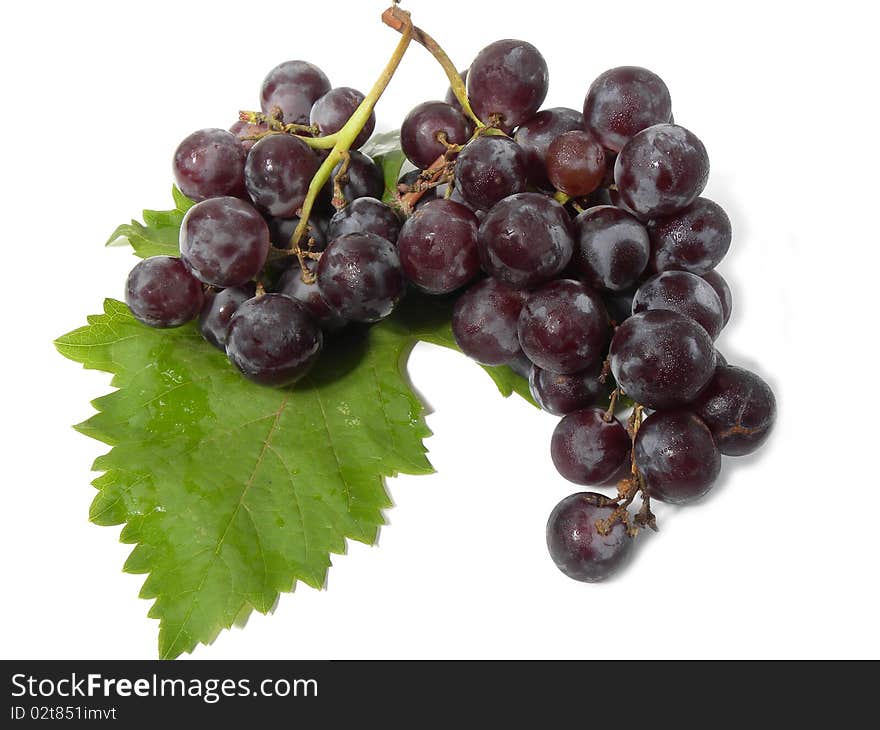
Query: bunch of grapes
[{"x": 576, "y": 245}]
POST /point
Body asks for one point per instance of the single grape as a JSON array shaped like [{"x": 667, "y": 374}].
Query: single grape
[
  {"x": 362, "y": 179},
  {"x": 721, "y": 288},
  {"x": 243, "y": 130},
  {"x": 739, "y": 408},
  {"x": 618, "y": 304},
  {"x": 587, "y": 449},
  {"x": 508, "y": 80},
  {"x": 685, "y": 293},
  {"x": 331, "y": 112},
  {"x": 575, "y": 163},
  {"x": 525, "y": 240},
  {"x": 217, "y": 311},
  {"x": 451, "y": 98},
  {"x": 281, "y": 232},
  {"x": 484, "y": 322},
  {"x": 420, "y": 129},
  {"x": 224, "y": 241},
  {"x": 661, "y": 170},
  {"x": 365, "y": 215},
  {"x": 438, "y": 247},
  {"x": 489, "y": 169},
  {"x": 521, "y": 365},
  {"x": 272, "y": 340},
  {"x": 622, "y": 102},
  {"x": 210, "y": 163},
  {"x": 535, "y": 135},
  {"x": 695, "y": 239},
  {"x": 360, "y": 276},
  {"x": 563, "y": 327},
  {"x": 309, "y": 295},
  {"x": 563, "y": 394},
  {"x": 611, "y": 248},
  {"x": 278, "y": 172},
  {"x": 161, "y": 292},
  {"x": 661, "y": 359},
  {"x": 676, "y": 455},
  {"x": 293, "y": 86},
  {"x": 574, "y": 541}
]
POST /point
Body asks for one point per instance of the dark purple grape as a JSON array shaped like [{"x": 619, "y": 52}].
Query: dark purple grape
[
  {"x": 661, "y": 170},
  {"x": 521, "y": 365},
  {"x": 293, "y": 86},
  {"x": 622, "y": 102},
  {"x": 695, "y": 240},
  {"x": 224, "y": 241},
  {"x": 438, "y": 247},
  {"x": 362, "y": 179},
  {"x": 526, "y": 240},
  {"x": 281, "y": 232},
  {"x": 574, "y": 541},
  {"x": 451, "y": 98},
  {"x": 587, "y": 449},
  {"x": 563, "y": 394},
  {"x": 309, "y": 295},
  {"x": 331, "y": 112},
  {"x": 676, "y": 455},
  {"x": 611, "y": 248},
  {"x": 508, "y": 80},
  {"x": 365, "y": 215},
  {"x": 685, "y": 293},
  {"x": 618, "y": 304},
  {"x": 217, "y": 311},
  {"x": 272, "y": 340},
  {"x": 160, "y": 292},
  {"x": 418, "y": 133},
  {"x": 739, "y": 408},
  {"x": 563, "y": 327},
  {"x": 575, "y": 163},
  {"x": 210, "y": 163},
  {"x": 278, "y": 172},
  {"x": 484, "y": 322},
  {"x": 535, "y": 136},
  {"x": 661, "y": 359},
  {"x": 721, "y": 288},
  {"x": 489, "y": 169},
  {"x": 243, "y": 130},
  {"x": 360, "y": 276}
]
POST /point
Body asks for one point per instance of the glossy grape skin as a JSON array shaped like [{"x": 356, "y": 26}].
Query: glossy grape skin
[
  {"x": 293, "y": 86},
  {"x": 661, "y": 170},
  {"x": 535, "y": 135},
  {"x": 695, "y": 239},
  {"x": 739, "y": 408},
  {"x": 330, "y": 113},
  {"x": 451, "y": 98},
  {"x": 489, "y": 169},
  {"x": 508, "y": 78},
  {"x": 563, "y": 394},
  {"x": 210, "y": 163},
  {"x": 525, "y": 240},
  {"x": 161, "y": 292},
  {"x": 575, "y": 163},
  {"x": 685, "y": 293},
  {"x": 611, "y": 248},
  {"x": 281, "y": 232},
  {"x": 622, "y": 102},
  {"x": 278, "y": 172},
  {"x": 224, "y": 241},
  {"x": 574, "y": 541},
  {"x": 272, "y": 340},
  {"x": 484, "y": 322},
  {"x": 418, "y": 133},
  {"x": 362, "y": 179},
  {"x": 676, "y": 455},
  {"x": 661, "y": 359},
  {"x": 217, "y": 311},
  {"x": 243, "y": 130},
  {"x": 360, "y": 276},
  {"x": 438, "y": 247},
  {"x": 521, "y": 365},
  {"x": 365, "y": 215},
  {"x": 309, "y": 295},
  {"x": 563, "y": 327},
  {"x": 587, "y": 449},
  {"x": 719, "y": 284}
]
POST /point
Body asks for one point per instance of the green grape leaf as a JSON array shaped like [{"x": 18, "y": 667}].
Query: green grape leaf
[
  {"x": 158, "y": 234},
  {"x": 385, "y": 151},
  {"x": 232, "y": 492}
]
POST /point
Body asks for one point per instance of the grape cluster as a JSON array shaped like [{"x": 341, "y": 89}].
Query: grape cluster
[{"x": 575, "y": 244}]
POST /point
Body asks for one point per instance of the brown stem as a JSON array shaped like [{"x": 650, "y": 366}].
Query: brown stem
[{"x": 338, "y": 180}]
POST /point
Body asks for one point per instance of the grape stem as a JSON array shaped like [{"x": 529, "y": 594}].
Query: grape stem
[{"x": 276, "y": 126}]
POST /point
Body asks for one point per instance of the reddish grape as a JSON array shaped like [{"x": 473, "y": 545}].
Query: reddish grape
[
  {"x": 420, "y": 128},
  {"x": 489, "y": 169},
  {"x": 587, "y": 449},
  {"x": 575, "y": 163},
  {"x": 293, "y": 86},
  {"x": 161, "y": 292},
  {"x": 535, "y": 136},
  {"x": 278, "y": 172},
  {"x": 695, "y": 239},
  {"x": 210, "y": 163},
  {"x": 484, "y": 322}
]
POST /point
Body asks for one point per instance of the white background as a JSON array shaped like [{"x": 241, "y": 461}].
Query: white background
[{"x": 780, "y": 561}]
